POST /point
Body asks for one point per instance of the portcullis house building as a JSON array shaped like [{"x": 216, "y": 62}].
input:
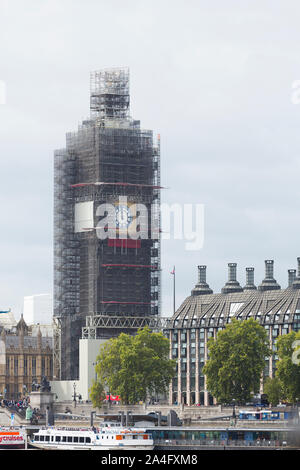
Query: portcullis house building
[{"x": 204, "y": 313}]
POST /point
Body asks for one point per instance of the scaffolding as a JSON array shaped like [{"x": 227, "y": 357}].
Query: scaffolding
[
  {"x": 108, "y": 158},
  {"x": 97, "y": 325},
  {"x": 110, "y": 93}
]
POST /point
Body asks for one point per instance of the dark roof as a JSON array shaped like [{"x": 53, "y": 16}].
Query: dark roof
[
  {"x": 29, "y": 341},
  {"x": 269, "y": 307}
]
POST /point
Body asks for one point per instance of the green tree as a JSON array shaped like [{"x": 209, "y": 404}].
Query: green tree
[
  {"x": 135, "y": 367},
  {"x": 97, "y": 394},
  {"x": 236, "y": 361},
  {"x": 273, "y": 389},
  {"x": 288, "y": 368}
]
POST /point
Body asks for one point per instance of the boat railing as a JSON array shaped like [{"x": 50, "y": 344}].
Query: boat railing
[{"x": 218, "y": 443}]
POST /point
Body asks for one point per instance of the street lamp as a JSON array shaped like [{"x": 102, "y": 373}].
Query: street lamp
[
  {"x": 233, "y": 410},
  {"x": 74, "y": 395}
]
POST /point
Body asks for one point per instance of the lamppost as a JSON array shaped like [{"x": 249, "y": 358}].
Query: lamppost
[
  {"x": 233, "y": 410},
  {"x": 75, "y": 395}
]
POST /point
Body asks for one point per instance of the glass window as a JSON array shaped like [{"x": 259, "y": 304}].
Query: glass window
[
  {"x": 75, "y": 438},
  {"x": 15, "y": 366},
  {"x": 234, "y": 307},
  {"x": 70, "y": 439},
  {"x": 33, "y": 365},
  {"x": 57, "y": 438},
  {"x": 81, "y": 439}
]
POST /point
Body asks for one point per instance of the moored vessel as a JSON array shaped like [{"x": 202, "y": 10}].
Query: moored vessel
[{"x": 103, "y": 438}]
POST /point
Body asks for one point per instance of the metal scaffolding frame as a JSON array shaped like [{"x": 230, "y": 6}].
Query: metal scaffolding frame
[
  {"x": 97, "y": 324},
  {"x": 107, "y": 158}
]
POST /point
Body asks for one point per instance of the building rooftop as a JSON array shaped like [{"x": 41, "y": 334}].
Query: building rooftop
[{"x": 269, "y": 304}]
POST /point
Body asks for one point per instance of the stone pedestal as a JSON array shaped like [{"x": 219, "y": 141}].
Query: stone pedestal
[{"x": 42, "y": 400}]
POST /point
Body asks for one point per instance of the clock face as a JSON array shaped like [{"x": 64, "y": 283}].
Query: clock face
[{"x": 123, "y": 216}]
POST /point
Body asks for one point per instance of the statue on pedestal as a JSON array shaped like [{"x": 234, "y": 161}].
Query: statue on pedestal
[{"x": 45, "y": 385}]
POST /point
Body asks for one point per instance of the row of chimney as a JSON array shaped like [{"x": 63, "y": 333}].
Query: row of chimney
[{"x": 232, "y": 285}]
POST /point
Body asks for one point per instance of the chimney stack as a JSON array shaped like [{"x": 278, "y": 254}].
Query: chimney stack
[
  {"x": 269, "y": 283},
  {"x": 232, "y": 284},
  {"x": 250, "y": 279},
  {"x": 296, "y": 283},
  {"x": 291, "y": 276},
  {"x": 201, "y": 288}
]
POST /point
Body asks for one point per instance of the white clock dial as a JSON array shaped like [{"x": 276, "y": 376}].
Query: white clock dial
[{"x": 123, "y": 216}]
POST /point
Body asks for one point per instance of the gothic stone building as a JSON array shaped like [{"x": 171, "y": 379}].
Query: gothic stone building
[{"x": 23, "y": 359}]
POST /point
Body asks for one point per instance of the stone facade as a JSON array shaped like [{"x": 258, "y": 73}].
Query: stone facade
[{"x": 23, "y": 359}]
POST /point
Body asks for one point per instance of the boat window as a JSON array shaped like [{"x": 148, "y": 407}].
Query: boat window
[
  {"x": 42, "y": 438},
  {"x": 57, "y": 438},
  {"x": 64, "y": 439},
  {"x": 75, "y": 438},
  {"x": 37, "y": 437},
  {"x": 47, "y": 438},
  {"x": 81, "y": 439},
  {"x": 88, "y": 439},
  {"x": 69, "y": 438}
]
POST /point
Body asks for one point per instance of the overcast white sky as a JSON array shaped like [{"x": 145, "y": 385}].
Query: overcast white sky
[{"x": 213, "y": 77}]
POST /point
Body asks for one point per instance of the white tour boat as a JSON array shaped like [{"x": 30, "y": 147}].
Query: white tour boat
[{"x": 104, "y": 438}]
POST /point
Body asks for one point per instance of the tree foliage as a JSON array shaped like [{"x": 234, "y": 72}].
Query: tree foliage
[
  {"x": 135, "y": 367},
  {"x": 97, "y": 394},
  {"x": 236, "y": 361},
  {"x": 273, "y": 389},
  {"x": 288, "y": 367}
]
